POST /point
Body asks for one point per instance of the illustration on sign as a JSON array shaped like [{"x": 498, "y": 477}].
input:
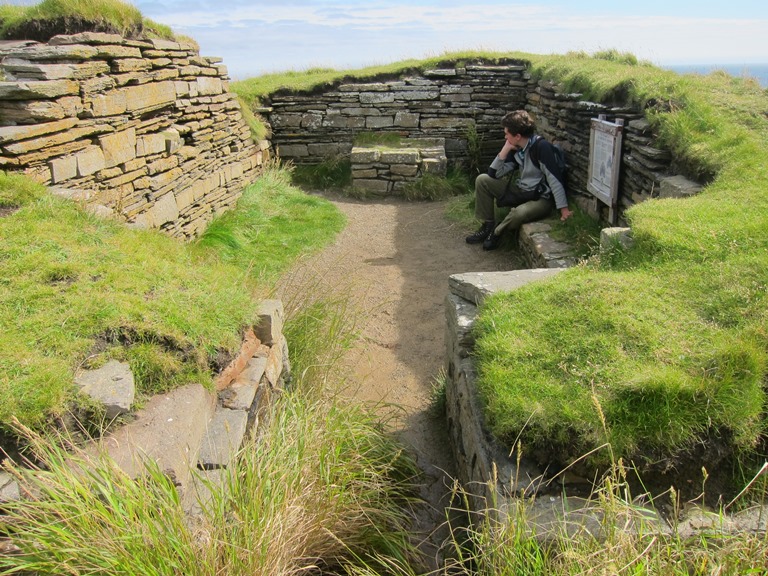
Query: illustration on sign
[
  {"x": 603, "y": 159},
  {"x": 604, "y": 162}
]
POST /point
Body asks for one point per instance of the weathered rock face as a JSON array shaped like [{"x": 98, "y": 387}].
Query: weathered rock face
[{"x": 148, "y": 129}]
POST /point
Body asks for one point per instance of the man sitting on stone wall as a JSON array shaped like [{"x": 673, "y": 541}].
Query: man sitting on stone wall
[{"x": 541, "y": 182}]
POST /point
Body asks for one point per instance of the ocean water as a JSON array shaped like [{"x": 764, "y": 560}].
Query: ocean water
[{"x": 757, "y": 71}]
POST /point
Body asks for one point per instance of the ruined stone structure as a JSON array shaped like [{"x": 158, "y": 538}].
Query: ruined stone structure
[
  {"x": 147, "y": 130},
  {"x": 464, "y": 105}
]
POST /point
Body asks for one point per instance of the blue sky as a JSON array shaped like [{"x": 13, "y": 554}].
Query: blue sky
[{"x": 259, "y": 36}]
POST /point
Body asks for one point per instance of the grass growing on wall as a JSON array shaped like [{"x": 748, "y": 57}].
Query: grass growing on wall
[
  {"x": 101, "y": 15},
  {"x": 258, "y": 89},
  {"x": 333, "y": 173}
]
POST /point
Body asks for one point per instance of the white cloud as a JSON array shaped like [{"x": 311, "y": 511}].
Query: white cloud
[{"x": 258, "y": 36}]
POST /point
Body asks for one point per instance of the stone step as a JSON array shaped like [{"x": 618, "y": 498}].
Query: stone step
[
  {"x": 223, "y": 438},
  {"x": 168, "y": 430},
  {"x": 541, "y": 250},
  {"x": 476, "y": 286}
]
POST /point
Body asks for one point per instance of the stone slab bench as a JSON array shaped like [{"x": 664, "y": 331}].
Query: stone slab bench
[{"x": 387, "y": 170}]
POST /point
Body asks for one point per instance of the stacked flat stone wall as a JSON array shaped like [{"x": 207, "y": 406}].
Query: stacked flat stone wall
[
  {"x": 385, "y": 171},
  {"x": 647, "y": 169},
  {"x": 464, "y": 105},
  {"x": 438, "y": 103},
  {"x": 146, "y": 130}
]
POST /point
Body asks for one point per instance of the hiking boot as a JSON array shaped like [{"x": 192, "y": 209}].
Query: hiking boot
[
  {"x": 492, "y": 242},
  {"x": 481, "y": 235}
]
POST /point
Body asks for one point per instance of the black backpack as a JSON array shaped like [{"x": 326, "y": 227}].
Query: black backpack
[{"x": 560, "y": 160}]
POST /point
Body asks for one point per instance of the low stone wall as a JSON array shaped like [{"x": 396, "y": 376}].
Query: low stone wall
[
  {"x": 647, "y": 169},
  {"x": 147, "y": 130},
  {"x": 479, "y": 458},
  {"x": 385, "y": 171},
  {"x": 464, "y": 105}
]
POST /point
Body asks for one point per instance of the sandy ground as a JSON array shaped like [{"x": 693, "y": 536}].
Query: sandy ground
[{"x": 397, "y": 257}]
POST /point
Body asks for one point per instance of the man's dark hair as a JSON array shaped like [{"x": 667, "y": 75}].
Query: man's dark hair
[{"x": 519, "y": 122}]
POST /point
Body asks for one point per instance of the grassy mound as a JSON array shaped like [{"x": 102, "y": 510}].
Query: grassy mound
[
  {"x": 52, "y": 17},
  {"x": 658, "y": 355}
]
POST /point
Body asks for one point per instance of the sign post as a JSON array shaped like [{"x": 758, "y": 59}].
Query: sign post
[{"x": 604, "y": 162}]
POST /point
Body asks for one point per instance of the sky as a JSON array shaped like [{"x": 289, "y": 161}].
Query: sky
[{"x": 261, "y": 36}]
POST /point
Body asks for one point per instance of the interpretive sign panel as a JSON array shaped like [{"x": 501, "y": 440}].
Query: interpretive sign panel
[{"x": 605, "y": 161}]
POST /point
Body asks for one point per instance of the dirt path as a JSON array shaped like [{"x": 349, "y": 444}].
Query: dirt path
[{"x": 397, "y": 256}]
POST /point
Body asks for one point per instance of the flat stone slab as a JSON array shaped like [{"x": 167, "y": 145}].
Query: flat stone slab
[
  {"x": 168, "y": 430},
  {"x": 223, "y": 439},
  {"x": 9, "y": 488},
  {"x": 202, "y": 484},
  {"x": 548, "y": 516},
  {"x": 111, "y": 385},
  {"x": 476, "y": 286},
  {"x": 678, "y": 187}
]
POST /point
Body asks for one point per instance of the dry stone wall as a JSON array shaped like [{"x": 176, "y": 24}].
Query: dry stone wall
[
  {"x": 147, "y": 130},
  {"x": 439, "y": 103},
  {"x": 464, "y": 105},
  {"x": 384, "y": 171},
  {"x": 647, "y": 169}
]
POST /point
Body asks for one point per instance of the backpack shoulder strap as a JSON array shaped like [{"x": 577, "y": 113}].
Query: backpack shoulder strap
[{"x": 535, "y": 149}]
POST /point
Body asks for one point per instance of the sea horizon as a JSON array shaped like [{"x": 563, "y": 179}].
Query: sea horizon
[{"x": 757, "y": 71}]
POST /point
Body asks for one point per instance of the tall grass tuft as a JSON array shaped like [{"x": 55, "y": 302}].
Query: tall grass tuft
[
  {"x": 319, "y": 331},
  {"x": 333, "y": 173},
  {"x": 432, "y": 187},
  {"x": 319, "y": 488},
  {"x": 81, "y": 514}
]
